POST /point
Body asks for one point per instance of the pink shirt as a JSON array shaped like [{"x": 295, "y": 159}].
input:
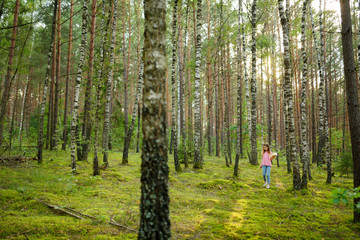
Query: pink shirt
[{"x": 266, "y": 159}]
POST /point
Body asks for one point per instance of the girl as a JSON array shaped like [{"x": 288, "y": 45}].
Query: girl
[{"x": 266, "y": 164}]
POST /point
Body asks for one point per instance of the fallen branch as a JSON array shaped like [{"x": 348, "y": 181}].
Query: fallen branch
[
  {"x": 286, "y": 218},
  {"x": 60, "y": 209},
  {"x": 81, "y": 215},
  {"x": 22, "y": 233},
  {"x": 112, "y": 222}
]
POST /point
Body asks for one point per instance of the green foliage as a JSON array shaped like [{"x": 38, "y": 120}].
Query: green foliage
[{"x": 345, "y": 196}]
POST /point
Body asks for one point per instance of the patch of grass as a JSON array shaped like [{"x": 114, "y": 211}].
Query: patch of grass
[{"x": 205, "y": 204}]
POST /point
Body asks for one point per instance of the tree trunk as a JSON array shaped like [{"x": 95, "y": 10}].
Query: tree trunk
[
  {"x": 239, "y": 94},
  {"x": 68, "y": 78},
  {"x": 133, "y": 119},
  {"x": 108, "y": 90},
  {"x": 126, "y": 123},
  {"x": 305, "y": 159},
  {"x": 289, "y": 98},
  {"x": 54, "y": 118},
  {"x": 154, "y": 207},
  {"x": 86, "y": 130},
  {"x": 174, "y": 133},
  {"x": 253, "y": 139},
  {"x": 74, "y": 122},
  {"x": 45, "y": 89},
  {"x": 96, "y": 169},
  {"x": 352, "y": 95},
  {"x": 5, "y": 95},
  {"x": 197, "y": 114}
]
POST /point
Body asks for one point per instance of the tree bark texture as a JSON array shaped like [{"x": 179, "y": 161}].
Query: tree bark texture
[
  {"x": 289, "y": 98},
  {"x": 253, "y": 138},
  {"x": 154, "y": 207},
  {"x": 197, "y": 114},
  {"x": 74, "y": 121},
  {"x": 108, "y": 90},
  {"x": 40, "y": 142},
  {"x": 351, "y": 94},
  {"x": 7, "y": 83}
]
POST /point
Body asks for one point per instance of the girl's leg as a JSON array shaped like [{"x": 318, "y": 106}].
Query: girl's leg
[
  {"x": 264, "y": 172},
  {"x": 268, "y": 168}
]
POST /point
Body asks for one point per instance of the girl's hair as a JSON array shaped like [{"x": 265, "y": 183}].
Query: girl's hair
[{"x": 267, "y": 145}]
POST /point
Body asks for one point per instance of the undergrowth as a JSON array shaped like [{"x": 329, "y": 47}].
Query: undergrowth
[{"x": 205, "y": 204}]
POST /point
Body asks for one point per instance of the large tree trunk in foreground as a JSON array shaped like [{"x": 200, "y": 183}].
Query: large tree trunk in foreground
[
  {"x": 352, "y": 95},
  {"x": 154, "y": 207}
]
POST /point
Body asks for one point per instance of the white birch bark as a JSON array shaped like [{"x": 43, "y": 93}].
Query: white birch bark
[
  {"x": 253, "y": 138},
  {"x": 305, "y": 158},
  {"x": 289, "y": 98},
  {"x": 108, "y": 90},
  {"x": 78, "y": 86},
  {"x": 197, "y": 116}
]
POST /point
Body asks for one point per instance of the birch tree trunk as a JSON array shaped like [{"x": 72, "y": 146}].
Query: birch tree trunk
[
  {"x": 96, "y": 169},
  {"x": 305, "y": 158},
  {"x": 133, "y": 118},
  {"x": 351, "y": 94},
  {"x": 253, "y": 138},
  {"x": 289, "y": 98},
  {"x": 40, "y": 142},
  {"x": 68, "y": 77},
  {"x": 174, "y": 133},
  {"x": 78, "y": 85},
  {"x": 108, "y": 90},
  {"x": 239, "y": 94},
  {"x": 86, "y": 128},
  {"x": 7, "y": 83},
  {"x": 197, "y": 114},
  {"x": 53, "y": 141},
  {"x": 154, "y": 207}
]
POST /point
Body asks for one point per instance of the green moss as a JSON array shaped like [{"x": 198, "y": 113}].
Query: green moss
[{"x": 204, "y": 204}]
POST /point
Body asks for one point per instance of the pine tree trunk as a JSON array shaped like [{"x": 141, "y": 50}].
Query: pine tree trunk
[
  {"x": 253, "y": 139},
  {"x": 65, "y": 123},
  {"x": 7, "y": 83},
  {"x": 40, "y": 142},
  {"x": 289, "y": 98},
  {"x": 352, "y": 95},
  {"x": 174, "y": 133},
  {"x": 197, "y": 114},
  {"x": 209, "y": 84},
  {"x": 108, "y": 90},
  {"x": 126, "y": 62},
  {"x": 74, "y": 122},
  {"x": 133, "y": 119},
  {"x": 305, "y": 158},
  {"x": 154, "y": 207}
]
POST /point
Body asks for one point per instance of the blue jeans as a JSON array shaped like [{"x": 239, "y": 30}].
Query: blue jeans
[{"x": 266, "y": 173}]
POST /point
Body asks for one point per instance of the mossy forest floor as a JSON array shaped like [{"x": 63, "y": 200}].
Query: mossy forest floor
[{"x": 205, "y": 204}]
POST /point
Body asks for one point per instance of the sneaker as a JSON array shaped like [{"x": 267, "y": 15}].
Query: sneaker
[
  {"x": 265, "y": 184},
  {"x": 268, "y": 186}
]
